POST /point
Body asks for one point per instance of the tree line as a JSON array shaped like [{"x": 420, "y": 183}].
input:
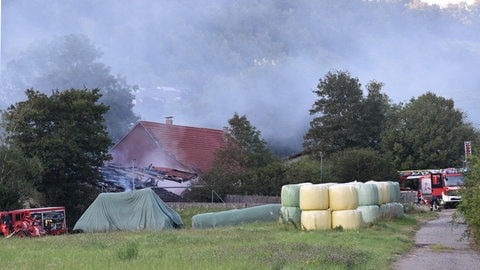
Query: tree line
[{"x": 352, "y": 137}]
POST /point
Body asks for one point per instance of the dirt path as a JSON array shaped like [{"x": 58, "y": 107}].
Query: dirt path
[{"x": 439, "y": 244}]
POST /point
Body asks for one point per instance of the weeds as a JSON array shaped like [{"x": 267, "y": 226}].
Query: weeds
[{"x": 128, "y": 251}]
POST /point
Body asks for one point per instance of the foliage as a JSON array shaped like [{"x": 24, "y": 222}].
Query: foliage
[
  {"x": 338, "y": 112},
  {"x": 66, "y": 133},
  {"x": 468, "y": 207},
  {"x": 72, "y": 62},
  {"x": 242, "y": 167},
  {"x": 359, "y": 165},
  {"x": 304, "y": 169},
  {"x": 427, "y": 132},
  {"x": 19, "y": 175}
]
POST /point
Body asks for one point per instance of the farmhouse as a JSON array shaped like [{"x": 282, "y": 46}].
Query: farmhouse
[{"x": 163, "y": 155}]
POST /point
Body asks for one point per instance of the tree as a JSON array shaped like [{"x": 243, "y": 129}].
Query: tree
[
  {"x": 71, "y": 62},
  {"x": 240, "y": 167},
  {"x": 66, "y": 133},
  {"x": 338, "y": 112},
  {"x": 468, "y": 207},
  {"x": 427, "y": 132},
  {"x": 19, "y": 176}
]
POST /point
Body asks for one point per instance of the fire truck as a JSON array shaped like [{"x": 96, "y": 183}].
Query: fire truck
[
  {"x": 33, "y": 222},
  {"x": 442, "y": 184}
]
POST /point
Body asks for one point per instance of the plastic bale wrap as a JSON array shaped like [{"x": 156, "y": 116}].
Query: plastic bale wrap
[
  {"x": 290, "y": 194},
  {"x": 367, "y": 193},
  {"x": 262, "y": 213},
  {"x": 314, "y": 197},
  {"x": 316, "y": 220},
  {"x": 394, "y": 190},
  {"x": 347, "y": 219},
  {"x": 383, "y": 191},
  {"x": 343, "y": 197},
  {"x": 370, "y": 213},
  {"x": 387, "y": 210},
  {"x": 290, "y": 215},
  {"x": 398, "y": 210}
]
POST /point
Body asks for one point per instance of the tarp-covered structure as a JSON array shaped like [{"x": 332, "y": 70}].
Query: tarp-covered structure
[{"x": 128, "y": 211}]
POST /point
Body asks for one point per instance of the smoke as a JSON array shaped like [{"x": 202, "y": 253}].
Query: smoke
[{"x": 261, "y": 58}]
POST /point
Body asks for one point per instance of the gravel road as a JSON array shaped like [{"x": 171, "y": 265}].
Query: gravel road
[{"x": 439, "y": 244}]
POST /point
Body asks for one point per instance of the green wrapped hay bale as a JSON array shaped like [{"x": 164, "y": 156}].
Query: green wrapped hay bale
[
  {"x": 347, "y": 219},
  {"x": 314, "y": 197},
  {"x": 398, "y": 210},
  {"x": 262, "y": 213},
  {"x": 342, "y": 197},
  {"x": 394, "y": 190},
  {"x": 290, "y": 215},
  {"x": 316, "y": 220},
  {"x": 367, "y": 193},
  {"x": 290, "y": 194},
  {"x": 370, "y": 213}
]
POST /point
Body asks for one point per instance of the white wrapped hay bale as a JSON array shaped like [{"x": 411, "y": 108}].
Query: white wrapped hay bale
[
  {"x": 314, "y": 197},
  {"x": 316, "y": 220},
  {"x": 342, "y": 197},
  {"x": 370, "y": 213},
  {"x": 290, "y": 215},
  {"x": 347, "y": 219},
  {"x": 383, "y": 191},
  {"x": 394, "y": 191},
  {"x": 290, "y": 194}
]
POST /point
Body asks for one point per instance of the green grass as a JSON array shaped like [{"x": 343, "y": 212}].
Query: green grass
[{"x": 251, "y": 246}]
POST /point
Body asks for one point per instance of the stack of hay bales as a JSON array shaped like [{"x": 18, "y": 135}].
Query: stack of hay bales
[
  {"x": 349, "y": 205},
  {"x": 343, "y": 200},
  {"x": 314, "y": 206},
  {"x": 389, "y": 199},
  {"x": 368, "y": 201},
  {"x": 290, "y": 211}
]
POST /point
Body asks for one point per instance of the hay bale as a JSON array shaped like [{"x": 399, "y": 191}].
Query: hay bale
[
  {"x": 370, "y": 213},
  {"x": 290, "y": 194},
  {"x": 342, "y": 197},
  {"x": 347, "y": 219},
  {"x": 316, "y": 220},
  {"x": 314, "y": 197},
  {"x": 290, "y": 215}
]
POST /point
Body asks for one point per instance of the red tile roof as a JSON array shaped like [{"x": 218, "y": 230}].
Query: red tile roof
[{"x": 191, "y": 147}]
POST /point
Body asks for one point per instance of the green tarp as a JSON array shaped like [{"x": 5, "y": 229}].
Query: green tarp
[
  {"x": 262, "y": 213},
  {"x": 128, "y": 211}
]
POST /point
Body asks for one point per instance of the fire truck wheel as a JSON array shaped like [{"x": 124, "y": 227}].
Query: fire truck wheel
[{"x": 21, "y": 234}]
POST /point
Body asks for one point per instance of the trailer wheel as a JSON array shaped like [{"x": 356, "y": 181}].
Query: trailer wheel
[{"x": 21, "y": 234}]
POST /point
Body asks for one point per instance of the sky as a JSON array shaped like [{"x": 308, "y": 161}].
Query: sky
[{"x": 242, "y": 61}]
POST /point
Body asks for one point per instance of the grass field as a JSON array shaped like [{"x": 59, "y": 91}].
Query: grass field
[{"x": 251, "y": 246}]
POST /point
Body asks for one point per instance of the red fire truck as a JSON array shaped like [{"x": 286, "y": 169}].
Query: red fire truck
[
  {"x": 441, "y": 184},
  {"x": 33, "y": 222}
]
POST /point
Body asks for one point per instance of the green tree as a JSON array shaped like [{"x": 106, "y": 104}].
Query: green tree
[
  {"x": 19, "y": 176},
  {"x": 240, "y": 167},
  {"x": 468, "y": 207},
  {"x": 343, "y": 117},
  {"x": 66, "y": 133},
  {"x": 72, "y": 62},
  {"x": 427, "y": 132}
]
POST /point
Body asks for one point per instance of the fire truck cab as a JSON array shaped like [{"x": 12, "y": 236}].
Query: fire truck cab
[{"x": 442, "y": 184}]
